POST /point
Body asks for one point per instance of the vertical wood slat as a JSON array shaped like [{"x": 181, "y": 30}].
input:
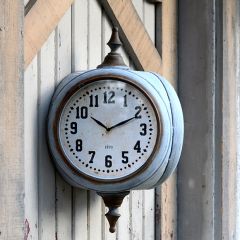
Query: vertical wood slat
[
  {"x": 11, "y": 120},
  {"x": 31, "y": 148},
  {"x": 167, "y": 194},
  {"x": 80, "y": 62},
  {"x": 230, "y": 120},
  {"x": 63, "y": 68},
  {"x": 46, "y": 172}
]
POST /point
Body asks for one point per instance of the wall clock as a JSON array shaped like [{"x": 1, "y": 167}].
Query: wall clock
[{"x": 112, "y": 129}]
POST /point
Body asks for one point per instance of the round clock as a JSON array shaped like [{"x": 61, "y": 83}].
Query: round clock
[{"x": 109, "y": 130}]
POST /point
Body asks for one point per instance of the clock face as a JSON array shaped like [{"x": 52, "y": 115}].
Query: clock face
[{"x": 108, "y": 129}]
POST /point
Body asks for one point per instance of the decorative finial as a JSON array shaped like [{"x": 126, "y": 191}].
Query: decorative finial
[
  {"x": 113, "y": 58},
  {"x": 113, "y": 201}
]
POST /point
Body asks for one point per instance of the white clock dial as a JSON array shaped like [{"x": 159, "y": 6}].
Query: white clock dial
[{"x": 108, "y": 129}]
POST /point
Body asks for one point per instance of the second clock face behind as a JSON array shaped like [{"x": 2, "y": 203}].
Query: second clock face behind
[{"x": 108, "y": 129}]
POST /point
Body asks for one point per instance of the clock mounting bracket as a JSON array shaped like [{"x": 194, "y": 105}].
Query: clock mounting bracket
[{"x": 113, "y": 201}]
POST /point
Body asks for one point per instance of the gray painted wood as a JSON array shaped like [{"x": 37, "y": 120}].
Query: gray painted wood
[
  {"x": 196, "y": 171},
  {"x": 11, "y": 121},
  {"x": 31, "y": 148}
]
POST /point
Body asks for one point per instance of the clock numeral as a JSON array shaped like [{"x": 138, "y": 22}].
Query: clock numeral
[
  {"x": 125, "y": 101},
  {"x": 137, "y": 114},
  {"x": 108, "y": 97},
  {"x": 93, "y": 101},
  {"x": 92, "y": 153},
  {"x": 79, "y": 145},
  {"x": 124, "y": 156},
  {"x": 73, "y": 126},
  {"x": 137, "y": 147},
  {"x": 81, "y": 112},
  {"x": 144, "y": 129},
  {"x": 108, "y": 162}
]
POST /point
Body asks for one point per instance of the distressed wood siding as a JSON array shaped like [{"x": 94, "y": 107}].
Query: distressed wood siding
[
  {"x": 54, "y": 209},
  {"x": 11, "y": 121}
]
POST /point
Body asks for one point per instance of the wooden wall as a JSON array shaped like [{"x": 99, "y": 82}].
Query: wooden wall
[
  {"x": 54, "y": 209},
  {"x": 200, "y": 202}
]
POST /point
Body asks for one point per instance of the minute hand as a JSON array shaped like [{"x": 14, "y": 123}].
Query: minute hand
[{"x": 121, "y": 123}]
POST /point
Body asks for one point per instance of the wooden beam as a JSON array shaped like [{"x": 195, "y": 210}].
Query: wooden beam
[
  {"x": 166, "y": 43},
  {"x": 168, "y": 191},
  {"x": 133, "y": 34},
  {"x": 230, "y": 150},
  {"x": 11, "y": 121},
  {"x": 40, "y": 21},
  {"x": 44, "y": 16}
]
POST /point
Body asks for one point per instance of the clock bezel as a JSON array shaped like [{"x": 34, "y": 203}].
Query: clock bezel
[{"x": 71, "y": 91}]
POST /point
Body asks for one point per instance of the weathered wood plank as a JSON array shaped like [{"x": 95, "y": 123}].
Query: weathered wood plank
[
  {"x": 149, "y": 214},
  {"x": 230, "y": 119},
  {"x": 137, "y": 215},
  {"x": 31, "y": 148},
  {"x": 80, "y": 35},
  {"x": 46, "y": 172},
  {"x": 63, "y": 189},
  {"x": 11, "y": 121},
  {"x": 168, "y": 196},
  {"x": 133, "y": 34},
  {"x": 39, "y": 23}
]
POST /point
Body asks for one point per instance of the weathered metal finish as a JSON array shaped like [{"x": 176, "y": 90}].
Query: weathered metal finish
[
  {"x": 113, "y": 58},
  {"x": 113, "y": 201},
  {"x": 161, "y": 156}
]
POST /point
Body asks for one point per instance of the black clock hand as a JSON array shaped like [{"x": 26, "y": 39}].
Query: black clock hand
[
  {"x": 99, "y": 123},
  {"x": 121, "y": 123}
]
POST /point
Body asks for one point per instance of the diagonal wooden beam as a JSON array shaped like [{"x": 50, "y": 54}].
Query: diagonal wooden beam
[
  {"x": 133, "y": 34},
  {"x": 39, "y": 22},
  {"x": 44, "y": 16}
]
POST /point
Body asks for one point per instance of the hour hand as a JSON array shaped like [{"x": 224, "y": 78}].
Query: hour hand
[{"x": 99, "y": 123}]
